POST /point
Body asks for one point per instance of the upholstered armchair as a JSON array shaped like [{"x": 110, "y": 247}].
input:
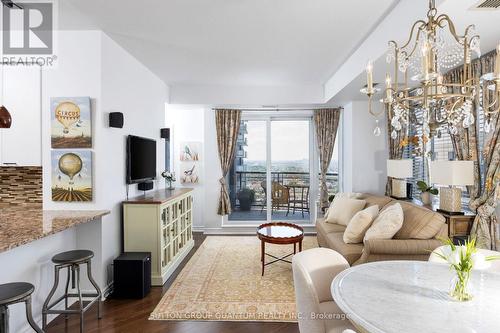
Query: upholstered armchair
[{"x": 313, "y": 273}]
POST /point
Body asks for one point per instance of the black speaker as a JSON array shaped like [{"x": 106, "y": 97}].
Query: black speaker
[
  {"x": 116, "y": 119},
  {"x": 165, "y": 133},
  {"x": 132, "y": 275},
  {"x": 145, "y": 186}
]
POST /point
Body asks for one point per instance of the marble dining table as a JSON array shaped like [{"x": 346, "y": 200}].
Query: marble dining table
[{"x": 412, "y": 296}]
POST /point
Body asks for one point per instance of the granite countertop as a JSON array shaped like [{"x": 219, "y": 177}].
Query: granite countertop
[
  {"x": 159, "y": 196},
  {"x": 21, "y": 225}
]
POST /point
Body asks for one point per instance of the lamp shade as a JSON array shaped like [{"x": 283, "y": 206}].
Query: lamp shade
[
  {"x": 458, "y": 173},
  {"x": 400, "y": 168}
]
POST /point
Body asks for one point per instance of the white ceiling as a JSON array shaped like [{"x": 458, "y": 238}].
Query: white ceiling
[{"x": 236, "y": 42}]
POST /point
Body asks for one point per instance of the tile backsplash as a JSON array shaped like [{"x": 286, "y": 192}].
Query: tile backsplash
[{"x": 21, "y": 186}]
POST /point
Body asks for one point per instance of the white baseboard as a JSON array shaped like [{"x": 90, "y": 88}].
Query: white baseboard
[{"x": 246, "y": 230}]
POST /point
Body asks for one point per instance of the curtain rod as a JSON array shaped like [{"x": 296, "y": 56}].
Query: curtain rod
[{"x": 278, "y": 109}]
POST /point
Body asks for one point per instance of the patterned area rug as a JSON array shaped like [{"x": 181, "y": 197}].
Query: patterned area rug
[{"x": 222, "y": 282}]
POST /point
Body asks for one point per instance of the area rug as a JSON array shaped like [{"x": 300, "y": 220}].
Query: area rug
[{"x": 222, "y": 282}]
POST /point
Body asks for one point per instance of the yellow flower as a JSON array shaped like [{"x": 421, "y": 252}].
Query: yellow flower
[{"x": 404, "y": 142}]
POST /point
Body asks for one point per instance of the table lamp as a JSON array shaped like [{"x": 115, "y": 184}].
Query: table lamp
[
  {"x": 451, "y": 173},
  {"x": 399, "y": 170}
]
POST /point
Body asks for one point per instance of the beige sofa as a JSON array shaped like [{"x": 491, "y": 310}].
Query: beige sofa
[{"x": 418, "y": 237}]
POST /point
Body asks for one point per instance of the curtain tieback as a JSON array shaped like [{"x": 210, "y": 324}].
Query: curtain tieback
[{"x": 222, "y": 181}]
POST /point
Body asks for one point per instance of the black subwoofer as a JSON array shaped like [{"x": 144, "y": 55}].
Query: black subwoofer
[{"x": 132, "y": 275}]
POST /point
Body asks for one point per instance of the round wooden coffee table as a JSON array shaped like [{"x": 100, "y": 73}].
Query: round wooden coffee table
[{"x": 281, "y": 233}]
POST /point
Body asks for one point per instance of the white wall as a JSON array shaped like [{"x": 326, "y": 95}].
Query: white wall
[
  {"x": 127, "y": 87},
  {"x": 363, "y": 154},
  {"x": 90, "y": 64},
  {"x": 187, "y": 124}
]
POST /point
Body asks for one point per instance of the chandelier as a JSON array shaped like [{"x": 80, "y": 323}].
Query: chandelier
[{"x": 433, "y": 48}]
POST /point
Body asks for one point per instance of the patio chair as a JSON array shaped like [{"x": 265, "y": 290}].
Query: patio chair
[{"x": 280, "y": 196}]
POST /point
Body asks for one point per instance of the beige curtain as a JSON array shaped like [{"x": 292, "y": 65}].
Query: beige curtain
[
  {"x": 395, "y": 148},
  {"x": 486, "y": 223},
  {"x": 466, "y": 146},
  {"x": 228, "y": 125},
  {"x": 326, "y": 122},
  {"x": 465, "y": 142}
]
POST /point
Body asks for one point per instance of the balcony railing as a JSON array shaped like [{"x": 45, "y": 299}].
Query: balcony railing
[{"x": 254, "y": 179}]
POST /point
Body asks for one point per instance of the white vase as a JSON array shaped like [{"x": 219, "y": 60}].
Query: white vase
[{"x": 426, "y": 198}]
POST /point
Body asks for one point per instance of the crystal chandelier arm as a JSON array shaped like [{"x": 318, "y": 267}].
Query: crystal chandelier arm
[
  {"x": 487, "y": 106},
  {"x": 443, "y": 18},
  {"x": 370, "y": 109},
  {"x": 452, "y": 109},
  {"x": 421, "y": 24}
]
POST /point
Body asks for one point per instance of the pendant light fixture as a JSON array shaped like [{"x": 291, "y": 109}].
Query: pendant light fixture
[{"x": 5, "y": 117}]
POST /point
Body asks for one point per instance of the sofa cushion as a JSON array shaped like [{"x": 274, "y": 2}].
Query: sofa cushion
[
  {"x": 419, "y": 222},
  {"x": 325, "y": 228},
  {"x": 343, "y": 209},
  {"x": 351, "y": 252},
  {"x": 387, "y": 223},
  {"x": 358, "y": 225}
]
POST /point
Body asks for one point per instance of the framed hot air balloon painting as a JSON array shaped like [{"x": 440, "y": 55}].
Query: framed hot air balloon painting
[
  {"x": 71, "y": 123},
  {"x": 71, "y": 175}
]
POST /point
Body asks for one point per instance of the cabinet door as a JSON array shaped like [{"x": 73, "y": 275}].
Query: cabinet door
[{"x": 21, "y": 144}]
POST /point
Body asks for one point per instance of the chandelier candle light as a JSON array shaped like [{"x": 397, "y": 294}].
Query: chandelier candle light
[{"x": 432, "y": 49}]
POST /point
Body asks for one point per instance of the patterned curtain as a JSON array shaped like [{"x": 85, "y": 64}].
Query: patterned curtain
[
  {"x": 466, "y": 146},
  {"x": 466, "y": 141},
  {"x": 326, "y": 122},
  {"x": 228, "y": 125},
  {"x": 395, "y": 148}
]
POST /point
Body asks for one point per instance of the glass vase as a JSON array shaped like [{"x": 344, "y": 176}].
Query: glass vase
[{"x": 461, "y": 287}]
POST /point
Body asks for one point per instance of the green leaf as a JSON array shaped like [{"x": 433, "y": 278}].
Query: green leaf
[
  {"x": 434, "y": 191},
  {"x": 422, "y": 186}
]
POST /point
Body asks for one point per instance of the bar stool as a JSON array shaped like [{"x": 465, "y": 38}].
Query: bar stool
[
  {"x": 12, "y": 293},
  {"x": 72, "y": 261}
]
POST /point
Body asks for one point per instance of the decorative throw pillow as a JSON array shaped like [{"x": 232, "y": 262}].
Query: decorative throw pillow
[
  {"x": 387, "y": 223},
  {"x": 348, "y": 195},
  {"x": 358, "y": 225},
  {"x": 342, "y": 210}
]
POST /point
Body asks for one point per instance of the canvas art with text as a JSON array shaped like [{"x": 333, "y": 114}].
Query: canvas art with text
[
  {"x": 71, "y": 175},
  {"x": 71, "y": 125}
]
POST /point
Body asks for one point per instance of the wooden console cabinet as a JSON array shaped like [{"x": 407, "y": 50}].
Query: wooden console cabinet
[{"x": 160, "y": 223}]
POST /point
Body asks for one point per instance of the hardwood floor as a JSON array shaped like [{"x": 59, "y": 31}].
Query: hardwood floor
[{"x": 131, "y": 316}]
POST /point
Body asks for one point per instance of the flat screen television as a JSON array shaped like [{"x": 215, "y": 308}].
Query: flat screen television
[{"x": 141, "y": 159}]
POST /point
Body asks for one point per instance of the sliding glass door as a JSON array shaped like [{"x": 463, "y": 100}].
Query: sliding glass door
[
  {"x": 270, "y": 179},
  {"x": 290, "y": 170}
]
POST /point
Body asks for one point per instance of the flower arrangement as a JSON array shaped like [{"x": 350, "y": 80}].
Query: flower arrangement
[
  {"x": 169, "y": 178},
  {"x": 463, "y": 259}
]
